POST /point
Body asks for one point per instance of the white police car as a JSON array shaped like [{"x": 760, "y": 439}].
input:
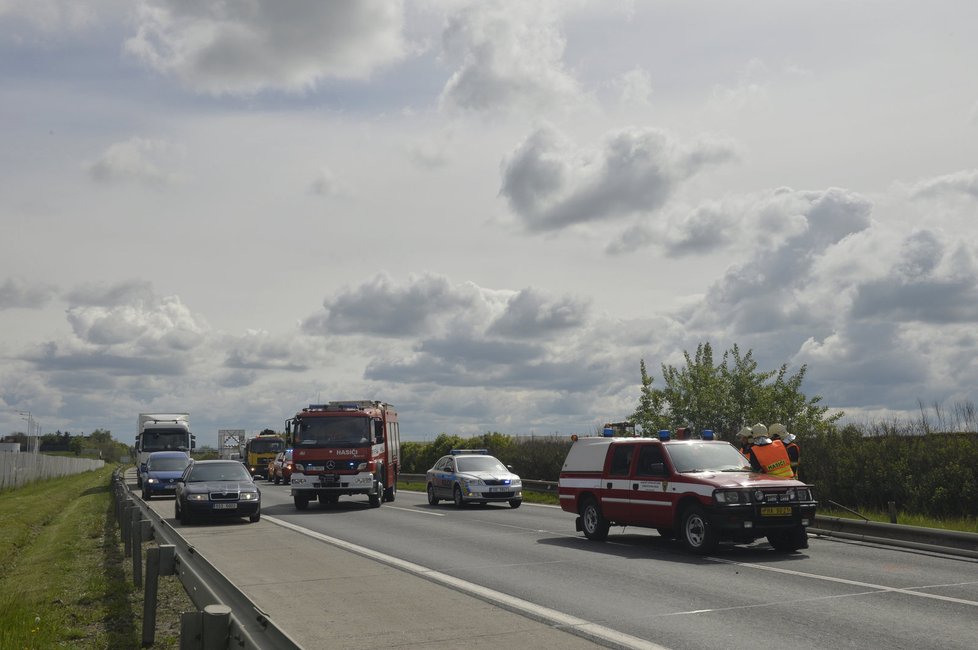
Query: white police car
[{"x": 473, "y": 476}]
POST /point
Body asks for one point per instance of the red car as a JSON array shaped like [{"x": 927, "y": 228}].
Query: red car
[{"x": 280, "y": 470}]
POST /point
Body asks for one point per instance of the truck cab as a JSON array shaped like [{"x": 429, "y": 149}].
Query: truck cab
[{"x": 702, "y": 492}]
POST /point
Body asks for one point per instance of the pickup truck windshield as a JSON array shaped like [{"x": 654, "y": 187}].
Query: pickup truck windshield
[{"x": 707, "y": 457}]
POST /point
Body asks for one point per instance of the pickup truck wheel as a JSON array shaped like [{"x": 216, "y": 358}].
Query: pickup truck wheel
[
  {"x": 789, "y": 541},
  {"x": 301, "y": 502},
  {"x": 698, "y": 533},
  {"x": 593, "y": 523},
  {"x": 457, "y": 494},
  {"x": 432, "y": 499},
  {"x": 390, "y": 493}
]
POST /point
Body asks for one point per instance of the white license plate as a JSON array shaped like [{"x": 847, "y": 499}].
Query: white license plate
[
  {"x": 225, "y": 506},
  {"x": 500, "y": 489}
]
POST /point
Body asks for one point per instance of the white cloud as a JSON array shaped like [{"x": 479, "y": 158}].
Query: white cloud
[
  {"x": 18, "y": 293},
  {"x": 964, "y": 182},
  {"x": 508, "y": 57},
  {"x": 246, "y": 47},
  {"x": 634, "y": 88},
  {"x": 137, "y": 159},
  {"x": 550, "y": 184}
]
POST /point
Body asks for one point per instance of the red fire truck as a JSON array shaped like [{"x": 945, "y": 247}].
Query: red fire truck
[{"x": 350, "y": 447}]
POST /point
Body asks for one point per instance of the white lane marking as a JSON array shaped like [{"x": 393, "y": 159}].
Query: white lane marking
[
  {"x": 416, "y": 511},
  {"x": 572, "y": 624},
  {"x": 910, "y": 591}
]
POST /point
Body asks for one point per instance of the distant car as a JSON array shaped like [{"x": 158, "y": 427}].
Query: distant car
[
  {"x": 163, "y": 468},
  {"x": 211, "y": 489},
  {"x": 473, "y": 476},
  {"x": 280, "y": 469}
]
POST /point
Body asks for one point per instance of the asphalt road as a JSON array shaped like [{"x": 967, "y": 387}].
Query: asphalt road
[{"x": 835, "y": 594}]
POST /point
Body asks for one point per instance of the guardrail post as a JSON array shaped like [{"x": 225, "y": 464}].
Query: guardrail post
[
  {"x": 136, "y": 530},
  {"x": 190, "y": 631},
  {"x": 893, "y": 511},
  {"x": 216, "y": 626},
  {"x": 125, "y": 526},
  {"x": 150, "y": 594}
]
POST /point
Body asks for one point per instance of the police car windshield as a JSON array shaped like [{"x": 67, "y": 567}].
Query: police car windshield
[
  {"x": 707, "y": 457},
  {"x": 480, "y": 464}
]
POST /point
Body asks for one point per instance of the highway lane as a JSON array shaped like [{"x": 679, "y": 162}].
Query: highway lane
[{"x": 835, "y": 594}]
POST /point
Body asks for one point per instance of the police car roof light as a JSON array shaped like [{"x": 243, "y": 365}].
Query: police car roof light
[{"x": 459, "y": 452}]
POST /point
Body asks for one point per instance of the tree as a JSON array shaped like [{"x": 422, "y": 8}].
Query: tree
[{"x": 726, "y": 396}]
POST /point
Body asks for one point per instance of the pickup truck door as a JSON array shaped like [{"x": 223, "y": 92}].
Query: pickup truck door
[
  {"x": 615, "y": 485},
  {"x": 650, "y": 504}
]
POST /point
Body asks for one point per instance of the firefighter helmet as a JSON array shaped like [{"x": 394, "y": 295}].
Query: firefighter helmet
[
  {"x": 777, "y": 430},
  {"x": 759, "y": 430}
]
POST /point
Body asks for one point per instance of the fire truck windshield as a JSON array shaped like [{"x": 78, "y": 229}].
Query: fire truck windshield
[
  {"x": 165, "y": 440},
  {"x": 334, "y": 431}
]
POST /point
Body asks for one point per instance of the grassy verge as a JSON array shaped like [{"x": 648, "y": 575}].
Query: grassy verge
[
  {"x": 64, "y": 580},
  {"x": 967, "y": 525}
]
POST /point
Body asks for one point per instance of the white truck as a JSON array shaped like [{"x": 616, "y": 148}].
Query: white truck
[{"x": 161, "y": 432}]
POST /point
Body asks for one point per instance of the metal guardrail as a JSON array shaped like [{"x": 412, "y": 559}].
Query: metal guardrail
[
  {"x": 226, "y": 617},
  {"x": 949, "y": 542}
]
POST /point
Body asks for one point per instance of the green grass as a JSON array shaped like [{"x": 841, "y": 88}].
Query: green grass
[
  {"x": 64, "y": 580},
  {"x": 967, "y": 525}
]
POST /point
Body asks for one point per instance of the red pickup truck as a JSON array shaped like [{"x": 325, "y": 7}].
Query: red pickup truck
[{"x": 702, "y": 491}]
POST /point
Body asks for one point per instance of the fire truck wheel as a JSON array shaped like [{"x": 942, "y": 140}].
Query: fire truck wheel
[
  {"x": 390, "y": 493},
  {"x": 301, "y": 502},
  {"x": 593, "y": 523},
  {"x": 378, "y": 496},
  {"x": 515, "y": 503},
  {"x": 457, "y": 494},
  {"x": 698, "y": 533},
  {"x": 432, "y": 499}
]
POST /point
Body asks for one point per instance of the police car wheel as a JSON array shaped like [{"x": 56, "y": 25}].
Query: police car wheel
[
  {"x": 457, "y": 494},
  {"x": 698, "y": 533},
  {"x": 432, "y": 499}
]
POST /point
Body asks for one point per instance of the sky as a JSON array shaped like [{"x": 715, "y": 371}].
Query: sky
[{"x": 485, "y": 213}]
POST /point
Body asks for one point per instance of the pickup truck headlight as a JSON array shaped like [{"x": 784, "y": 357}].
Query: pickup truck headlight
[{"x": 729, "y": 497}]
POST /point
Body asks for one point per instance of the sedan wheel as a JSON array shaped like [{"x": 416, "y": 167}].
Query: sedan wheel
[
  {"x": 459, "y": 501},
  {"x": 432, "y": 499}
]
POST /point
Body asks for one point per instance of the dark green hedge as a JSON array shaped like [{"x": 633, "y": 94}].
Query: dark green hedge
[{"x": 934, "y": 474}]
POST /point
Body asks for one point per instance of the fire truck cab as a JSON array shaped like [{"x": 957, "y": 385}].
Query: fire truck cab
[
  {"x": 344, "y": 447},
  {"x": 697, "y": 490}
]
